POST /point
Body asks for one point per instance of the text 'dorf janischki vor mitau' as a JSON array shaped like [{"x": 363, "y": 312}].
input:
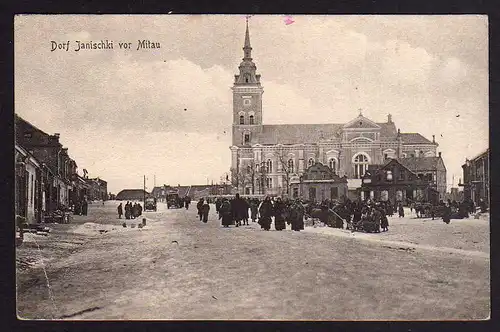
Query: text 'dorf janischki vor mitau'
[{"x": 106, "y": 44}]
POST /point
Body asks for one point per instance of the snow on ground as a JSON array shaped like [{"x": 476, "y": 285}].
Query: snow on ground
[{"x": 181, "y": 268}]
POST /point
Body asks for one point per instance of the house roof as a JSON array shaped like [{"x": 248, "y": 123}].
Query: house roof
[
  {"x": 414, "y": 138},
  {"x": 131, "y": 194},
  {"x": 416, "y": 164}
]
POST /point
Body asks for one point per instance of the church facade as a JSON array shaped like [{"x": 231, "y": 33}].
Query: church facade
[{"x": 267, "y": 158}]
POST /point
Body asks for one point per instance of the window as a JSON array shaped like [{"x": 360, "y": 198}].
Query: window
[
  {"x": 242, "y": 119},
  {"x": 360, "y": 165},
  {"x": 251, "y": 120},
  {"x": 310, "y": 162},
  {"x": 247, "y": 191},
  {"x": 247, "y": 138},
  {"x": 332, "y": 164},
  {"x": 295, "y": 192},
  {"x": 334, "y": 192},
  {"x": 269, "y": 183},
  {"x": 247, "y": 101},
  {"x": 269, "y": 166},
  {"x": 246, "y": 79},
  {"x": 290, "y": 166},
  {"x": 401, "y": 175}
]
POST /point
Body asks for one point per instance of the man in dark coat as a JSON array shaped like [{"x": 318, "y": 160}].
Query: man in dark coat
[
  {"x": 120, "y": 211},
  {"x": 205, "y": 208},
  {"x": 254, "y": 209},
  {"x": 266, "y": 212},
  {"x": 238, "y": 210},
  {"x": 225, "y": 213},
  {"x": 85, "y": 207},
  {"x": 279, "y": 212},
  {"x": 447, "y": 214},
  {"x": 218, "y": 204},
  {"x": 198, "y": 206},
  {"x": 401, "y": 211},
  {"x": 187, "y": 201},
  {"x": 127, "y": 210},
  {"x": 297, "y": 215}
]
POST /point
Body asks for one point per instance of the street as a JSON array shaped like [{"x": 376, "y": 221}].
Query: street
[{"x": 177, "y": 267}]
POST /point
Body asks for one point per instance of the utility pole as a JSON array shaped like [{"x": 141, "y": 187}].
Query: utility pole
[
  {"x": 154, "y": 180},
  {"x": 144, "y": 202}
]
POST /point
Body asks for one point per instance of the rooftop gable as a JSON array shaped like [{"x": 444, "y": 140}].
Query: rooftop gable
[{"x": 361, "y": 123}]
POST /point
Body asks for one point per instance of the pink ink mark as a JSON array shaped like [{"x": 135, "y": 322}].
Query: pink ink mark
[{"x": 288, "y": 20}]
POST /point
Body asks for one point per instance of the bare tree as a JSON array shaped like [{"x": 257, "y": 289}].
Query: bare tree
[
  {"x": 239, "y": 178},
  {"x": 286, "y": 168}
]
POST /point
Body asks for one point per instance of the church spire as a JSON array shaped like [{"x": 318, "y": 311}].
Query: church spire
[{"x": 247, "y": 48}]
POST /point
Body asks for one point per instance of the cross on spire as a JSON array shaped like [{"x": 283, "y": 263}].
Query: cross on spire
[{"x": 360, "y": 112}]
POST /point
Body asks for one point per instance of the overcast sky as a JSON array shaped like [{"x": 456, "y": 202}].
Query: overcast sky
[{"x": 167, "y": 112}]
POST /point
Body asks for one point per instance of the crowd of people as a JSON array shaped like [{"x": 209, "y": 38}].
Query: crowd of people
[{"x": 132, "y": 211}]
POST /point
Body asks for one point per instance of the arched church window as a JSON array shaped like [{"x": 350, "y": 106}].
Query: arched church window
[
  {"x": 332, "y": 164},
  {"x": 310, "y": 162},
  {"x": 251, "y": 119},
  {"x": 242, "y": 119},
  {"x": 290, "y": 166},
  {"x": 360, "y": 165},
  {"x": 269, "y": 166}
]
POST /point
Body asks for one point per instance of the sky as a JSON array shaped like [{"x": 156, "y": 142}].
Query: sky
[{"x": 166, "y": 113}]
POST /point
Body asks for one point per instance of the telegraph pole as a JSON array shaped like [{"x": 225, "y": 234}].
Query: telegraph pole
[{"x": 144, "y": 202}]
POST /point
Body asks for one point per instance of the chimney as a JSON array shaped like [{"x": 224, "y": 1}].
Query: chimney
[
  {"x": 57, "y": 135},
  {"x": 439, "y": 154},
  {"x": 433, "y": 138},
  {"x": 389, "y": 118}
]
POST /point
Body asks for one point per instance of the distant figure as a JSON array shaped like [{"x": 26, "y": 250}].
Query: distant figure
[
  {"x": 447, "y": 213},
  {"x": 205, "y": 208},
  {"x": 187, "y": 201},
  {"x": 401, "y": 211},
  {"x": 120, "y": 211},
  {"x": 225, "y": 213},
  {"x": 128, "y": 210},
  {"x": 85, "y": 207},
  {"x": 198, "y": 206}
]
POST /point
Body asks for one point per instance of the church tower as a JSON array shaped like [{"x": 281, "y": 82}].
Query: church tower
[{"x": 247, "y": 99}]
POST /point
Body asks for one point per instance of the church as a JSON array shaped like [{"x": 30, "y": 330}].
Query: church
[{"x": 267, "y": 158}]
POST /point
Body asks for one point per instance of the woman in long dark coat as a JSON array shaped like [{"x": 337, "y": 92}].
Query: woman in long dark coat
[
  {"x": 127, "y": 210},
  {"x": 225, "y": 213},
  {"x": 279, "y": 219},
  {"x": 205, "y": 208},
  {"x": 120, "y": 211},
  {"x": 266, "y": 211},
  {"x": 297, "y": 216},
  {"x": 401, "y": 211},
  {"x": 447, "y": 214},
  {"x": 254, "y": 209}
]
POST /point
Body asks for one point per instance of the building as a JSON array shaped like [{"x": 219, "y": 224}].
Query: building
[
  {"x": 264, "y": 157},
  {"x": 132, "y": 195},
  {"x": 98, "y": 189},
  {"x": 395, "y": 182},
  {"x": 57, "y": 167},
  {"x": 432, "y": 168},
  {"x": 319, "y": 182},
  {"x": 28, "y": 186},
  {"x": 476, "y": 178}
]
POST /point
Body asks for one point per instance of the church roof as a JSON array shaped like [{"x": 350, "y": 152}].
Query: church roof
[
  {"x": 310, "y": 133},
  {"x": 296, "y": 133},
  {"x": 417, "y": 164},
  {"x": 414, "y": 138}
]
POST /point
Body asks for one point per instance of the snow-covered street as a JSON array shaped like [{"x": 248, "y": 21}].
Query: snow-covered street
[{"x": 177, "y": 267}]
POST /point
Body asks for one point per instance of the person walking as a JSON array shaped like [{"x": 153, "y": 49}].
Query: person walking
[
  {"x": 225, "y": 213},
  {"x": 266, "y": 211},
  {"x": 205, "y": 208},
  {"x": 198, "y": 206},
  {"x": 279, "y": 218},
  {"x": 238, "y": 210},
  {"x": 447, "y": 213},
  {"x": 120, "y": 211},
  {"x": 401, "y": 211},
  {"x": 85, "y": 207},
  {"x": 254, "y": 209},
  {"x": 127, "y": 210}
]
